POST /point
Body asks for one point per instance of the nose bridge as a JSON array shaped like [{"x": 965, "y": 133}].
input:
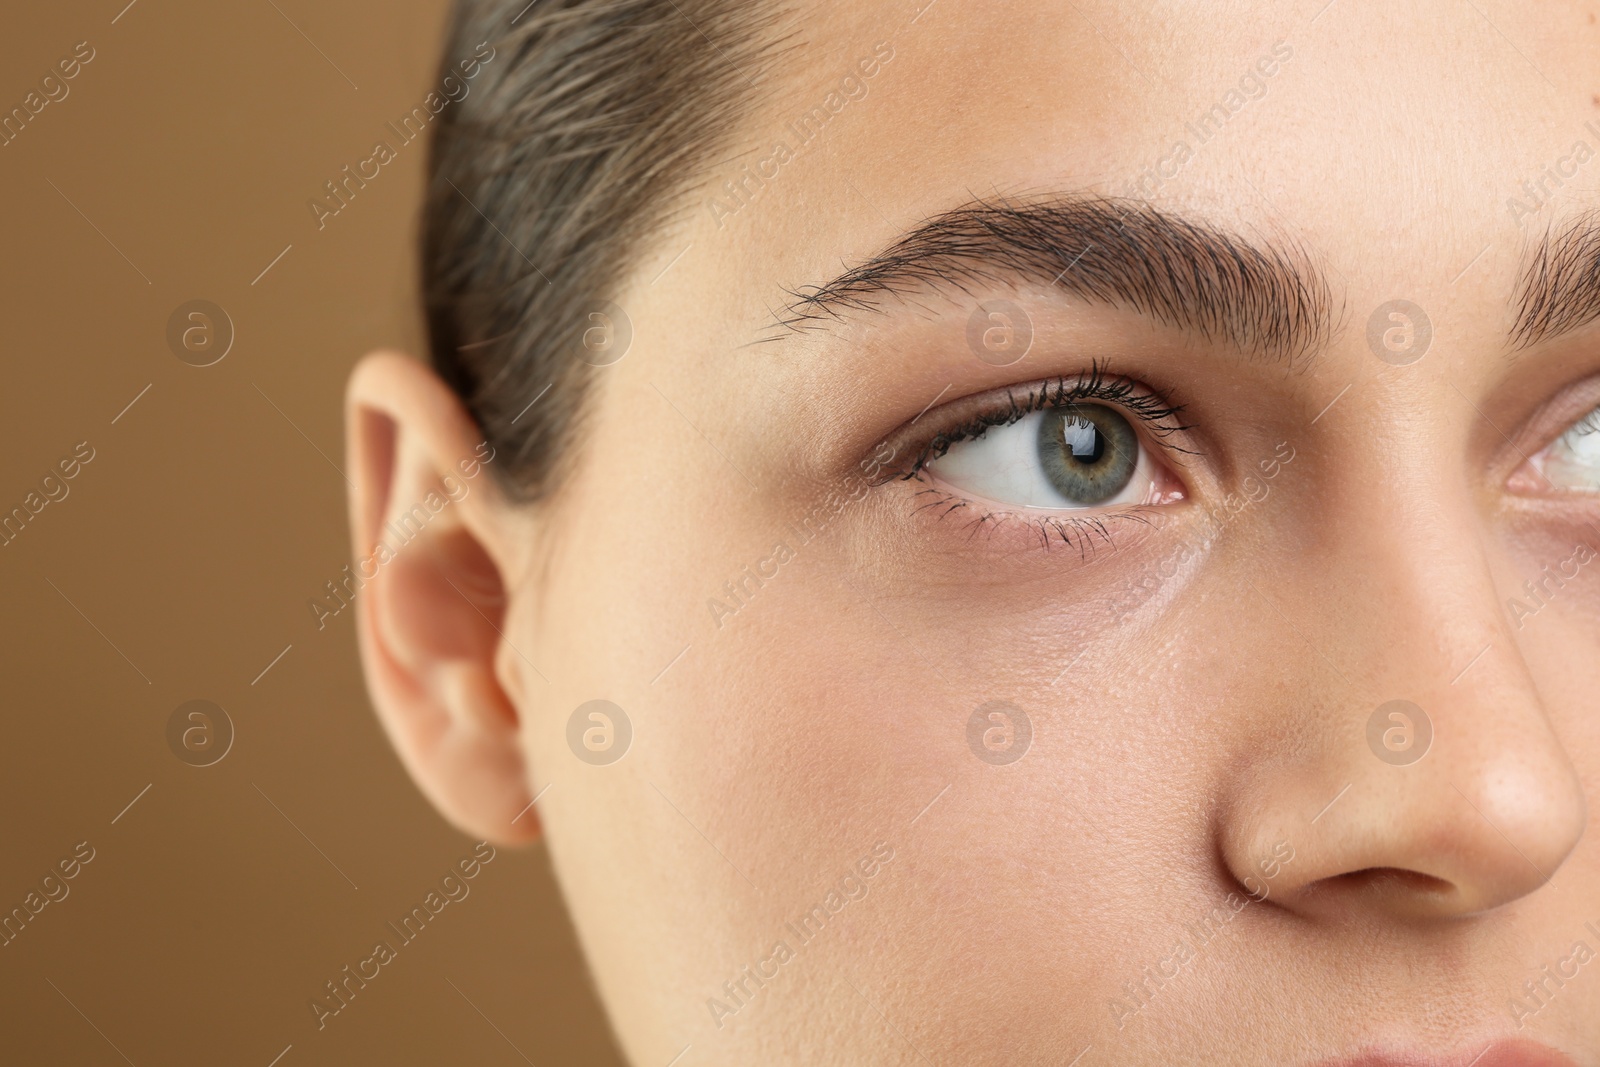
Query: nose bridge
[
  {"x": 1436, "y": 785},
  {"x": 1429, "y": 629},
  {"x": 1436, "y": 608}
]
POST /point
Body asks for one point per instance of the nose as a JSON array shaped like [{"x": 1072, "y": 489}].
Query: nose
[{"x": 1413, "y": 788}]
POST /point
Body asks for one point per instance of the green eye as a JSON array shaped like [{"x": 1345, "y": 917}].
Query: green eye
[
  {"x": 1079, "y": 455},
  {"x": 1088, "y": 452}
]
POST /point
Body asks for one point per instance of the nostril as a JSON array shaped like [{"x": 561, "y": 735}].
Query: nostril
[{"x": 1386, "y": 882}]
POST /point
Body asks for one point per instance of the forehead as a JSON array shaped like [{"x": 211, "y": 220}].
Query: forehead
[{"x": 1397, "y": 141}]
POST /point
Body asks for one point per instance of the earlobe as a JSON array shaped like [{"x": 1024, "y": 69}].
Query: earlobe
[{"x": 429, "y": 534}]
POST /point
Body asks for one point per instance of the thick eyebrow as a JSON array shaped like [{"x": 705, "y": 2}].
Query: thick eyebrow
[
  {"x": 1268, "y": 301},
  {"x": 1559, "y": 290}
]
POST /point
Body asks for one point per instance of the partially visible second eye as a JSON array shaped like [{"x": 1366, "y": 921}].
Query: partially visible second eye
[
  {"x": 1572, "y": 461},
  {"x": 1079, "y": 455}
]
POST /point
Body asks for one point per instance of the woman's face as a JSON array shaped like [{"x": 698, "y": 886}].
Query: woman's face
[{"x": 1257, "y": 731}]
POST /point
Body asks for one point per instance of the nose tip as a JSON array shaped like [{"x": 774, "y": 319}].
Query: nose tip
[
  {"x": 1528, "y": 815},
  {"x": 1426, "y": 776},
  {"x": 1443, "y": 838}
]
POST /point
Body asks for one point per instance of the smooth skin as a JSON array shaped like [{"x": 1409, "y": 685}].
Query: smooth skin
[{"x": 1188, "y": 733}]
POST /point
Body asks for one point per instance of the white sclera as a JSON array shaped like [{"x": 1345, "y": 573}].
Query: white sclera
[
  {"x": 1574, "y": 457},
  {"x": 1004, "y": 467}
]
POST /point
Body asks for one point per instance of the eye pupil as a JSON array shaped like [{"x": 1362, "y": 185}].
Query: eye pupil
[{"x": 1082, "y": 439}]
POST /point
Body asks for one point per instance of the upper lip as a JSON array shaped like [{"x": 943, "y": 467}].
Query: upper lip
[{"x": 1500, "y": 1053}]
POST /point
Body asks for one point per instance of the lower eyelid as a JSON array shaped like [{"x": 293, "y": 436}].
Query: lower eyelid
[
  {"x": 1082, "y": 530},
  {"x": 1549, "y": 469}
]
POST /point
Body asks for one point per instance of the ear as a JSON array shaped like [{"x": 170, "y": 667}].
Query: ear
[{"x": 433, "y": 547}]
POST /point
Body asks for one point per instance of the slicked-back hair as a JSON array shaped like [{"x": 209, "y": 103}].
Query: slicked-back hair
[{"x": 578, "y": 142}]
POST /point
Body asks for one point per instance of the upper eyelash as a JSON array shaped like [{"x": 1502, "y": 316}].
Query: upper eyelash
[{"x": 1154, "y": 410}]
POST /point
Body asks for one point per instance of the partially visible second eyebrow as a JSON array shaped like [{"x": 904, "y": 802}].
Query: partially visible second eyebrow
[
  {"x": 1559, "y": 289},
  {"x": 1266, "y": 301}
]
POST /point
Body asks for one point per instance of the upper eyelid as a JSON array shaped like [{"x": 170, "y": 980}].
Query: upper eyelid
[
  {"x": 1587, "y": 423},
  {"x": 1008, "y": 404},
  {"x": 1568, "y": 410}
]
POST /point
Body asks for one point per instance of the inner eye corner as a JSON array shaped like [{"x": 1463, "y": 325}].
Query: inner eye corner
[{"x": 1567, "y": 467}]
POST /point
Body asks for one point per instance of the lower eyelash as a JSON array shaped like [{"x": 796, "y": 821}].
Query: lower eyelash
[{"x": 1083, "y": 534}]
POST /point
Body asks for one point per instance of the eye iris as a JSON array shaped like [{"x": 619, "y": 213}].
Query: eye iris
[{"x": 1089, "y": 452}]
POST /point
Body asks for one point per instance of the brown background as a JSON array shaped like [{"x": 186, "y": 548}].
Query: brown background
[{"x": 184, "y": 555}]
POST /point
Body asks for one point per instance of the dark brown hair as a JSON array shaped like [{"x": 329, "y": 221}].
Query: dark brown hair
[{"x": 578, "y": 141}]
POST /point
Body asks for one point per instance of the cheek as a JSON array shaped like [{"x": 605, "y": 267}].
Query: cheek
[
  {"x": 840, "y": 716},
  {"x": 832, "y": 709},
  {"x": 1559, "y": 639}
]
